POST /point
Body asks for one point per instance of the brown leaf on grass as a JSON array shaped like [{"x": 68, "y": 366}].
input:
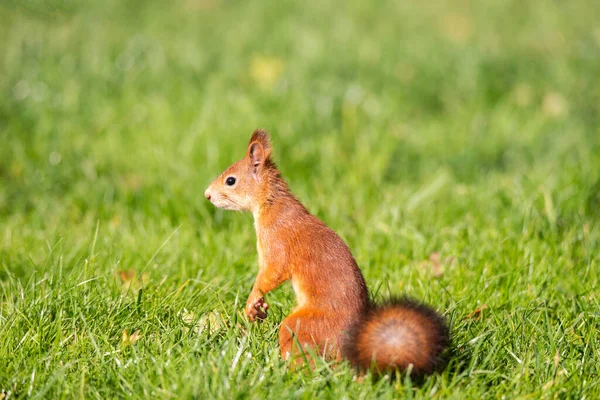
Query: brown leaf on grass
[
  {"x": 127, "y": 279},
  {"x": 129, "y": 340},
  {"x": 126, "y": 276},
  {"x": 189, "y": 317},
  {"x": 437, "y": 264},
  {"x": 210, "y": 321},
  {"x": 477, "y": 313}
]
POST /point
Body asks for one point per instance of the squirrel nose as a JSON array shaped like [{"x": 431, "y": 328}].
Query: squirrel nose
[{"x": 207, "y": 194}]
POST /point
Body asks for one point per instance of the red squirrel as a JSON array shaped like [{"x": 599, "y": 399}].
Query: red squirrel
[{"x": 333, "y": 315}]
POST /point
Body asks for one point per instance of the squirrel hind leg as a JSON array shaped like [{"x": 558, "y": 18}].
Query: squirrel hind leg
[
  {"x": 397, "y": 335},
  {"x": 303, "y": 332}
]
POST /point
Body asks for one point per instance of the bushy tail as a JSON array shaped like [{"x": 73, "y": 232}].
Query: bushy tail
[{"x": 397, "y": 334}]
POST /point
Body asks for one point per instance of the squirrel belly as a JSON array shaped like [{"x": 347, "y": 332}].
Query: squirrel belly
[{"x": 398, "y": 335}]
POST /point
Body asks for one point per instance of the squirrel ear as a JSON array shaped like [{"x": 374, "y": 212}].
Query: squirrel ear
[{"x": 259, "y": 148}]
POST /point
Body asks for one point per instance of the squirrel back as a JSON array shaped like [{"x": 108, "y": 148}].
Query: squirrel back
[{"x": 333, "y": 313}]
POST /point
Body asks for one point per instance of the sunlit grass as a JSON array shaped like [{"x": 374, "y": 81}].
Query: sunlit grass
[{"x": 455, "y": 147}]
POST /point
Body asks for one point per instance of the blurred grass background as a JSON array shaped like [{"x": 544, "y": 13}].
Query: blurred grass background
[{"x": 454, "y": 145}]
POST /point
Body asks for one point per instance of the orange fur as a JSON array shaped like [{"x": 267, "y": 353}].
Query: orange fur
[
  {"x": 397, "y": 335},
  {"x": 332, "y": 297}
]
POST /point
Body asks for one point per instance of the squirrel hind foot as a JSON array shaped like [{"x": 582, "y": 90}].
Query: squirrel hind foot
[{"x": 397, "y": 335}]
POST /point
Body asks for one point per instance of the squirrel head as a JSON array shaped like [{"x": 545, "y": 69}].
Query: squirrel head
[{"x": 244, "y": 186}]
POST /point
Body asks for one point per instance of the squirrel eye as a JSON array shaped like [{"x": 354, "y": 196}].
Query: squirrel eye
[{"x": 230, "y": 181}]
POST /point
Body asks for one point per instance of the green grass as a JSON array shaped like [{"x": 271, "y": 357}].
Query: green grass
[{"x": 454, "y": 146}]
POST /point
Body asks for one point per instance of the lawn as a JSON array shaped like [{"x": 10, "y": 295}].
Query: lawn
[{"x": 455, "y": 146}]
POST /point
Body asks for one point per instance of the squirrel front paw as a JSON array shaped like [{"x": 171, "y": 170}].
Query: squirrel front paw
[{"x": 256, "y": 309}]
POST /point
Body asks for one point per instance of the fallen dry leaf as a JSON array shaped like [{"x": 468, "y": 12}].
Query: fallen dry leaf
[
  {"x": 127, "y": 279},
  {"x": 477, "y": 313},
  {"x": 126, "y": 276},
  {"x": 437, "y": 264},
  {"x": 211, "y": 320},
  {"x": 188, "y": 316},
  {"x": 129, "y": 340}
]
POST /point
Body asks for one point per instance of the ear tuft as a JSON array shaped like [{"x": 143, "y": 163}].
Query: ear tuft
[
  {"x": 259, "y": 147},
  {"x": 261, "y": 136}
]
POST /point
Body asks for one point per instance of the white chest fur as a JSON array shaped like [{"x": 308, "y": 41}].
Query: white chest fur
[{"x": 300, "y": 295}]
